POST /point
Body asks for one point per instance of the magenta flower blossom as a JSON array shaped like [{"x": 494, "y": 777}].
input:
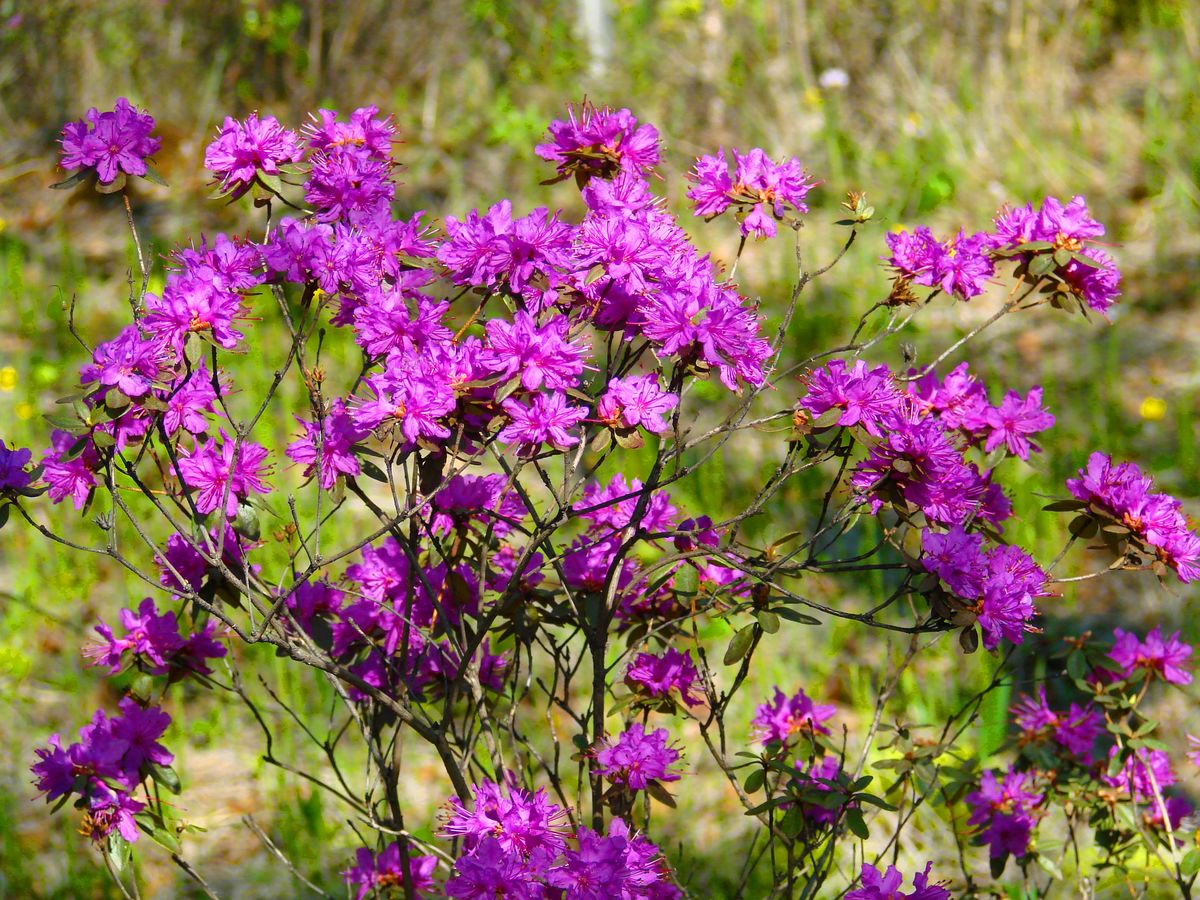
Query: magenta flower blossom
[
  {"x": 128, "y": 362},
  {"x": 547, "y": 420},
  {"x": 13, "y": 461},
  {"x": 1166, "y": 658},
  {"x": 371, "y": 872},
  {"x": 1014, "y": 420},
  {"x": 366, "y": 129},
  {"x": 786, "y": 716},
  {"x": 761, "y": 189},
  {"x": 189, "y": 305},
  {"x": 111, "y": 811},
  {"x": 1145, "y": 773},
  {"x": 1004, "y": 812},
  {"x": 599, "y": 141},
  {"x": 217, "y": 477},
  {"x": 886, "y": 886},
  {"x": 1123, "y": 492},
  {"x": 619, "y": 864},
  {"x": 488, "y": 871},
  {"x": 67, "y": 475},
  {"x": 867, "y": 397},
  {"x": 960, "y": 266},
  {"x": 155, "y": 643},
  {"x": 521, "y": 822},
  {"x": 1075, "y": 730},
  {"x": 636, "y": 401},
  {"x": 112, "y": 143},
  {"x": 915, "y": 255},
  {"x": 188, "y": 403},
  {"x": 339, "y": 433},
  {"x": 637, "y": 757},
  {"x": 243, "y": 149},
  {"x": 958, "y": 400},
  {"x": 542, "y": 355},
  {"x": 486, "y": 499},
  {"x": 387, "y": 321},
  {"x": 657, "y": 676}
]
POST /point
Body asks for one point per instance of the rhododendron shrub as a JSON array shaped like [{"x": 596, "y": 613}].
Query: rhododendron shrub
[{"x": 522, "y": 594}]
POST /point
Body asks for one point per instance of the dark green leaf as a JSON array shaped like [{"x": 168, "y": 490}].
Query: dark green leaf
[
  {"x": 153, "y": 176},
  {"x": 165, "y": 776},
  {"x": 754, "y": 781},
  {"x": 786, "y": 612},
  {"x": 119, "y": 852},
  {"x": 1065, "y": 506},
  {"x": 117, "y": 184},
  {"x": 71, "y": 180},
  {"x": 768, "y": 620},
  {"x": 856, "y": 823},
  {"x": 739, "y": 645}
]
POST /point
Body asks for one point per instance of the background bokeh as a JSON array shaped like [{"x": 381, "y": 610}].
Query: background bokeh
[{"x": 940, "y": 111}]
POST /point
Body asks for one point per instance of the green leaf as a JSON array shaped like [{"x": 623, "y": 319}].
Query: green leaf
[
  {"x": 1191, "y": 864},
  {"x": 372, "y": 471},
  {"x": 857, "y": 824},
  {"x": 119, "y": 852},
  {"x": 4, "y": 514},
  {"x": 166, "y": 776},
  {"x": 768, "y": 620},
  {"x": 71, "y": 180},
  {"x": 112, "y": 187},
  {"x": 875, "y": 801},
  {"x": 1065, "y": 506},
  {"x": 754, "y": 781},
  {"x": 153, "y": 176},
  {"x": 660, "y": 793},
  {"x": 739, "y": 645},
  {"x": 1040, "y": 265},
  {"x": 792, "y": 615},
  {"x": 163, "y": 837},
  {"x": 1062, "y": 256}
]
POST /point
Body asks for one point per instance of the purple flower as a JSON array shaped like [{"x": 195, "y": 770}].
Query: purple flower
[
  {"x": 113, "y": 142},
  {"x": 243, "y": 149},
  {"x": 339, "y": 434},
  {"x": 599, "y": 141},
  {"x": 547, "y": 420},
  {"x": 139, "y": 728},
  {"x": 637, "y": 757},
  {"x": 365, "y": 129},
  {"x": 191, "y": 305},
  {"x": 957, "y": 558},
  {"x": 1194, "y": 753},
  {"x": 1075, "y": 730},
  {"x": 1003, "y": 811},
  {"x": 959, "y": 400},
  {"x": 348, "y": 182},
  {"x": 1014, "y": 419},
  {"x": 109, "y": 811},
  {"x": 886, "y": 886},
  {"x": 1123, "y": 492},
  {"x": 964, "y": 266},
  {"x": 657, "y": 676},
  {"x": 68, "y": 475},
  {"x": 521, "y": 822},
  {"x": 867, "y": 397},
  {"x": 13, "y": 461},
  {"x": 488, "y": 499},
  {"x": 387, "y": 321},
  {"x": 387, "y": 870},
  {"x": 761, "y": 189},
  {"x": 188, "y": 402},
  {"x": 1165, "y": 657},
  {"x": 618, "y": 864},
  {"x": 543, "y": 356},
  {"x": 489, "y": 871},
  {"x": 217, "y": 477},
  {"x": 636, "y": 401},
  {"x": 128, "y": 362},
  {"x": 1145, "y": 773},
  {"x": 786, "y": 716}
]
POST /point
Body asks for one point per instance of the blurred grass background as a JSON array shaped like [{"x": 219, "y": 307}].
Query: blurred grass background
[{"x": 941, "y": 111}]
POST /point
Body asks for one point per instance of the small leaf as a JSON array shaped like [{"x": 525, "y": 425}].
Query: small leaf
[
  {"x": 739, "y": 645},
  {"x": 857, "y": 824},
  {"x": 71, "y": 180},
  {"x": 792, "y": 615},
  {"x": 754, "y": 781},
  {"x": 1191, "y": 864},
  {"x": 153, "y": 176},
  {"x": 111, "y": 187},
  {"x": 372, "y": 471},
  {"x": 660, "y": 793},
  {"x": 119, "y": 852},
  {"x": 1062, "y": 256},
  {"x": 1065, "y": 506},
  {"x": 1040, "y": 265},
  {"x": 166, "y": 776},
  {"x": 768, "y": 620}
]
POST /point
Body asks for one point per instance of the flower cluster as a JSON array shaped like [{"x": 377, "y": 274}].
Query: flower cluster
[
  {"x": 244, "y": 149},
  {"x": 515, "y": 844},
  {"x": 658, "y": 675},
  {"x": 1119, "y": 494},
  {"x": 1051, "y": 243},
  {"x": 374, "y": 872},
  {"x": 1165, "y": 658},
  {"x": 996, "y": 587},
  {"x": 112, "y": 143},
  {"x": 1005, "y": 812},
  {"x": 637, "y": 757},
  {"x": 762, "y": 191},
  {"x": 878, "y": 885},
  {"x": 1074, "y": 731},
  {"x": 153, "y": 643},
  {"x": 785, "y": 717},
  {"x": 112, "y": 757}
]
